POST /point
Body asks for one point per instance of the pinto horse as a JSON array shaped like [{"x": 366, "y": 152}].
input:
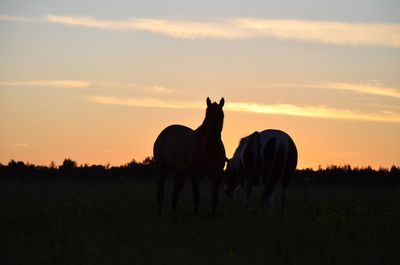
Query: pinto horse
[
  {"x": 266, "y": 157},
  {"x": 191, "y": 153}
]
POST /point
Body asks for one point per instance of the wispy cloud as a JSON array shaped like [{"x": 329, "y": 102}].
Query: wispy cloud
[
  {"x": 77, "y": 84},
  {"x": 18, "y": 145},
  {"x": 329, "y": 32},
  {"x": 373, "y": 87},
  {"x": 312, "y": 111},
  {"x": 183, "y": 29},
  {"x": 143, "y": 102},
  {"x": 339, "y": 33},
  {"x": 73, "y": 84},
  {"x": 160, "y": 90},
  {"x": 367, "y": 88},
  {"x": 19, "y": 19},
  {"x": 251, "y": 107}
]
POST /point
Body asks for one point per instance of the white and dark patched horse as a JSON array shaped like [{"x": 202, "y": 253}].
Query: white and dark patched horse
[
  {"x": 185, "y": 152},
  {"x": 263, "y": 158}
]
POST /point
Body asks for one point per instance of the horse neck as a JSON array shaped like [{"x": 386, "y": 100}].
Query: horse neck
[{"x": 207, "y": 135}]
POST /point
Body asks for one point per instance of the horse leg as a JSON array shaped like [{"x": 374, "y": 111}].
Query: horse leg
[
  {"x": 214, "y": 196},
  {"x": 287, "y": 178},
  {"x": 267, "y": 194},
  {"x": 247, "y": 194},
  {"x": 160, "y": 190},
  {"x": 285, "y": 191},
  {"x": 290, "y": 169},
  {"x": 270, "y": 206},
  {"x": 179, "y": 180},
  {"x": 196, "y": 195}
]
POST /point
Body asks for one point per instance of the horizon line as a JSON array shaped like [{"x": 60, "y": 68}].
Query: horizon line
[{"x": 27, "y": 163}]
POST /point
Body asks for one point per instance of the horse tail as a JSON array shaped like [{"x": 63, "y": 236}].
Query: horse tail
[
  {"x": 291, "y": 164},
  {"x": 279, "y": 160},
  {"x": 274, "y": 165}
]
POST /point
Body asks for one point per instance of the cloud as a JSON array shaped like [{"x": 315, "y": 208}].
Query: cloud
[
  {"x": 143, "y": 102},
  {"x": 328, "y": 32},
  {"x": 182, "y": 29},
  {"x": 338, "y": 33},
  {"x": 77, "y": 84},
  {"x": 72, "y": 84},
  {"x": 251, "y": 107},
  {"x": 368, "y": 88},
  {"x": 19, "y": 19},
  {"x": 160, "y": 90},
  {"x": 371, "y": 87},
  {"x": 18, "y": 145},
  {"x": 312, "y": 111}
]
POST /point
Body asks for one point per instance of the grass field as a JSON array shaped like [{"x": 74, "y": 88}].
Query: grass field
[{"x": 117, "y": 223}]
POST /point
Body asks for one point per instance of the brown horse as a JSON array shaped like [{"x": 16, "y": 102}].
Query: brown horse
[{"x": 192, "y": 153}]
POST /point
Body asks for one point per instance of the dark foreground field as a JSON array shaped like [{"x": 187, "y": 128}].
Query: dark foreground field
[{"x": 116, "y": 223}]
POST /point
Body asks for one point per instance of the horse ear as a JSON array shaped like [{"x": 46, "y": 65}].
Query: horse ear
[
  {"x": 222, "y": 102},
  {"x": 208, "y": 101}
]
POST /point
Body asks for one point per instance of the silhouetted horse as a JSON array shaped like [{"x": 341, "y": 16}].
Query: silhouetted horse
[
  {"x": 266, "y": 158},
  {"x": 193, "y": 153}
]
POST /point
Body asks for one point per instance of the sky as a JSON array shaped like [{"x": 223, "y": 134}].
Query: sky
[{"x": 97, "y": 81}]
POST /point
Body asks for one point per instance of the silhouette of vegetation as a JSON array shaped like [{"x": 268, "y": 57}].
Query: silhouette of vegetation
[
  {"x": 70, "y": 170},
  {"x": 118, "y": 223},
  {"x": 18, "y": 171},
  {"x": 97, "y": 214},
  {"x": 346, "y": 175}
]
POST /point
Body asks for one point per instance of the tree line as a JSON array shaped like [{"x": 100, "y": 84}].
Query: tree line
[
  {"x": 69, "y": 170},
  {"x": 346, "y": 175}
]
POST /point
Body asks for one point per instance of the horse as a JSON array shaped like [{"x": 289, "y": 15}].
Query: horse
[
  {"x": 185, "y": 152},
  {"x": 266, "y": 158}
]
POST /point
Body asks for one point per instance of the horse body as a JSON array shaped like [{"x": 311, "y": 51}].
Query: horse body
[
  {"x": 171, "y": 149},
  {"x": 266, "y": 158},
  {"x": 194, "y": 153}
]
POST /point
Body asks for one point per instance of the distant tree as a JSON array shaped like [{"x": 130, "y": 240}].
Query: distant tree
[
  {"x": 69, "y": 164},
  {"x": 68, "y": 167},
  {"x": 148, "y": 160},
  {"x": 395, "y": 170},
  {"x": 52, "y": 165},
  {"x": 12, "y": 163}
]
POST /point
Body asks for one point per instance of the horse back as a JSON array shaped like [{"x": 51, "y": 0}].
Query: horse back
[
  {"x": 171, "y": 149},
  {"x": 250, "y": 162}
]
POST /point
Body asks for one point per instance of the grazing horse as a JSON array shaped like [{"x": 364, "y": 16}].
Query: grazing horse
[
  {"x": 266, "y": 157},
  {"x": 193, "y": 153}
]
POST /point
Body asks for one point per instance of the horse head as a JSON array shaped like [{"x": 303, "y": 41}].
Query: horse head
[
  {"x": 229, "y": 179},
  {"x": 214, "y": 119},
  {"x": 233, "y": 181},
  {"x": 245, "y": 155}
]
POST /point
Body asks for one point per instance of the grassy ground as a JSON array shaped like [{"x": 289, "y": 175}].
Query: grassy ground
[{"x": 116, "y": 223}]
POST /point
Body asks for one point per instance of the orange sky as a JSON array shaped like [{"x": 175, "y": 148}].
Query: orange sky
[{"x": 97, "y": 83}]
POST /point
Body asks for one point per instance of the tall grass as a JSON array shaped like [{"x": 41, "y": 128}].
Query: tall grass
[{"x": 117, "y": 223}]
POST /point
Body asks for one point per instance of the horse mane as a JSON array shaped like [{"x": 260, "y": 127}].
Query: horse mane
[{"x": 248, "y": 137}]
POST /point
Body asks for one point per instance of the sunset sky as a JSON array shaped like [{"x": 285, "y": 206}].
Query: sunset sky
[{"x": 96, "y": 81}]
